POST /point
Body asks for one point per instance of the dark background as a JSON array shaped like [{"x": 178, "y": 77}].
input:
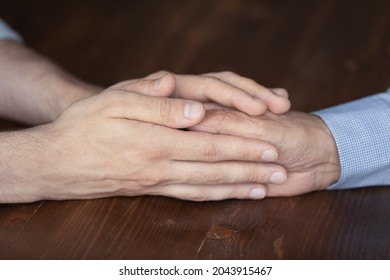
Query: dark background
[{"x": 325, "y": 52}]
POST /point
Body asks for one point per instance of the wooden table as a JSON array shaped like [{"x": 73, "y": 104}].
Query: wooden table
[{"x": 325, "y": 52}]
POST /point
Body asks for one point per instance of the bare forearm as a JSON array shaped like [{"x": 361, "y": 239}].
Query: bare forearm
[
  {"x": 33, "y": 90},
  {"x": 23, "y": 155}
]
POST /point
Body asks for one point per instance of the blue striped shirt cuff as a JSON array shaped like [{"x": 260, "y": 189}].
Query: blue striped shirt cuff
[
  {"x": 361, "y": 129},
  {"x": 6, "y": 33}
]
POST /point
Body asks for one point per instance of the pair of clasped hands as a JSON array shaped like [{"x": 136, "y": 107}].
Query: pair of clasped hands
[{"x": 207, "y": 137}]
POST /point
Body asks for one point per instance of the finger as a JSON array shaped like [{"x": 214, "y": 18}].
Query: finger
[
  {"x": 227, "y": 172},
  {"x": 281, "y": 190},
  {"x": 175, "y": 113},
  {"x": 198, "y": 146},
  {"x": 205, "y": 89},
  {"x": 276, "y": 103},
  {"x": 280, "y": 91},
  {"x": 287, "y": 189},
  {"x": 213, "y": 106},
  {"x": 207, "y": 193},
  {"x": 157, "y": 75},
  {"x": 158, "y": 84}
]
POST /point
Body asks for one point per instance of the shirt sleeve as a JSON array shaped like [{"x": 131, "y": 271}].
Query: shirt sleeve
[
  {"x": 6, "y": 33},
  {"x": 361, "y": 129}
]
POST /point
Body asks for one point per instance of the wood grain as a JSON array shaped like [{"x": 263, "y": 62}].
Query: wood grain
[{"x": 325, "y": 52}]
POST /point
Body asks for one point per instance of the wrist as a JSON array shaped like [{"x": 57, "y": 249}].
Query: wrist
[{"x": 329, "y": 168}]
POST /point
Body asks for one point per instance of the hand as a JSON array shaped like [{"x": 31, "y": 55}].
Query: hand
[
  {"x": 123, "y": 143},
  {"x": 224, "y": 88},
  {"x": 306, "y": 146}
]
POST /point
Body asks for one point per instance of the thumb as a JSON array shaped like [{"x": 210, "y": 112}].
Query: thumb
[
  {"x": 161, "y": 85},
  {"x": 170, "y": 112}
]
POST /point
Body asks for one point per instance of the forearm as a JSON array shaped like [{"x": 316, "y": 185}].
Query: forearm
[
  {"x": 23, "y": 158},
  {"x": 33, "y": 90},
  {"x": 361, "y": 131}
]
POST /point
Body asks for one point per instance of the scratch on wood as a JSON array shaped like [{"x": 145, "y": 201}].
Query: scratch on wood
[
  {"x": 201, "y": 245},
  {"x": 278, "y": 250},
  {"x": 170, "y": 222},
  {"x": 219, "y": 232}
]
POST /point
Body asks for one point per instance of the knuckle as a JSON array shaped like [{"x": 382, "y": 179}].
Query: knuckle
[
  {"x": 254, "y": 175},
  {"x": 149, "y": 181},
  {"x": 217, "y": 116},
  {"x": 164, "y": 108},
  {"x": 225, "y": 117},
  {"x": 213, "y": 178},
  {"x": 210, "y": 152},
  {"x": 197, "y": 195},
  {"x": 246, "y": 155},
  {"x": 157, "y": 153},
  {"x": 207, "y": 177}
]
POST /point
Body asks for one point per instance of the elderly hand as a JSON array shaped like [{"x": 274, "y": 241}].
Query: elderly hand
[
  {"x": 123, "y": 143},
  {"x": 306, "y": 146}
]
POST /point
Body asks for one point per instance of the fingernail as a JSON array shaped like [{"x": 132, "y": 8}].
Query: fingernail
[
  {"x": 278, "y": 178},
  {"x": 269, "y": 155},
  {"x": 192, "y": 110},
  {"x": 257, "y": 193}
]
